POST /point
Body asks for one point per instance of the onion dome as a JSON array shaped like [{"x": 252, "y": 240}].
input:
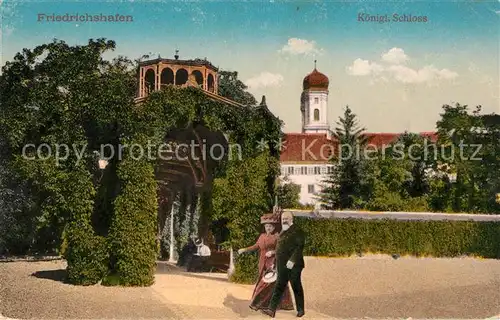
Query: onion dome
[{"x": 316, "y": 80}]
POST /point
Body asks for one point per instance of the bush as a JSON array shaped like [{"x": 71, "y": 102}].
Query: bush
[
  {"x": 86, "y": 255},
  {"x": 134, "y": 247},
  {"x": 246, "y": 269},
  {"x": 85, "y": 252},
  {"x": 344, "y": 237},
  {"x": 392, "y": 201},
  {"x": 17, "y": 216}
]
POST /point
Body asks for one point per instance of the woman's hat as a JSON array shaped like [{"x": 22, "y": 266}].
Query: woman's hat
[{"x": 269, "y": 218}]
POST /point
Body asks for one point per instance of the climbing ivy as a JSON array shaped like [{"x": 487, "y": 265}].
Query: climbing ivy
[
  {"x": 105, "y": 221},
  {"x": 241, "y": 191},
  {"x": 132, "y": 236},
  {"x": 241, "y": 197}
]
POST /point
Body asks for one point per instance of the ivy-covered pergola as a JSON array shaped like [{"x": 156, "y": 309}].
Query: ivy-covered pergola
[
  {"x": 185, "y": 168},
  {"x": 149, "y": 187},
  {"x": 109, "y": 219}
]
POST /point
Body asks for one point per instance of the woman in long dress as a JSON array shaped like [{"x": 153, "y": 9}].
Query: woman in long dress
[{"x": 266, "y": 244}]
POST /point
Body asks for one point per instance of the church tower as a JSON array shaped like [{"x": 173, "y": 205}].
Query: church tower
[{"x": 314, "y": 103}]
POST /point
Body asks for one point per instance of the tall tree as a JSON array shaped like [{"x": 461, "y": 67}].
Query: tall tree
[
  {"x": 233, "y": 88},
  {"x": 67, "y": 95},
  {"x": 288, "y": 194},
  {"x": 343, "y": 186},
  {"x": 421, "y": 154},
  {"x": 389, "y": 180},
  {"x": 457, "y": 133},
  {"x": 485, "y": 164}
]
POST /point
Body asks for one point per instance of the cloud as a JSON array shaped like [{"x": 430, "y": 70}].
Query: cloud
[
  {"x": 426, "y": 74},
  {"x": 395, "y": 70},
  {"x": 395, "y": 56},
  {"x": 362, "y": 67},
  {"x": 265, "y": 79},
  {"x": 298, "y": 46}
]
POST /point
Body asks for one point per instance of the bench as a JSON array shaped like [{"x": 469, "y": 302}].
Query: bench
[{"x": 219, "y": 261}]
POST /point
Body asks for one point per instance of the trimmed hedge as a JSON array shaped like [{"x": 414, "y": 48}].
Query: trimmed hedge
[
  {"x": 86, "y": 255},
  {"x": 85, "y": 252},
  {"x": 132, "y": 238},
  {"x": 344, "y": 237},
  {"x": 246, "y": 269}
]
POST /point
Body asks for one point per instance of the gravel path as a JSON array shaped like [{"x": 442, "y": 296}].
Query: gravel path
[
  {"x": 381, "y": 287},
  {"x": 44, "y": 296},
  {"x": 366, "y": 287}
]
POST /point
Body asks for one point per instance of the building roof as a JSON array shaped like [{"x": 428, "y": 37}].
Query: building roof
[
  {"x": 306, "y": 147},
  {"x": 315, "y": 80},
  {"x": 192, "y": 62},
  {"x": 318, "y": 148}
]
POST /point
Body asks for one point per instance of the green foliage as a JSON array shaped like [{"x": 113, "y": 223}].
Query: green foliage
[
  {"x": 412, "y": 173},
  {"x": 246, "y": 270},
  {"x": 306, "y": 206},
  {"x": 133, "y": 230},
  {"x": 85, "y": 252},
  {"x": 233, "y": 88},
  {"x": 392, "y": 201},
  {"x": 344, "y": 184},
  {"x": 241, "y": 197},
  {"x": 17, "y": 218},
  {"x": 288, "y": 194},
  {"x": 60, "y": 94},
  {"x": 392, "y": 180},
  {"x": 344, "y": 237},
  {"x": 472, "y": 148}
]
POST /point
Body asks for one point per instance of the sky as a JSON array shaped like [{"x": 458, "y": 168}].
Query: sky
[{"x": 394, "y": 75}]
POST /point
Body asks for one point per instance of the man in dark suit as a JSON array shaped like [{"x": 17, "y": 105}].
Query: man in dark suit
[{"x": 289, "y": 263}]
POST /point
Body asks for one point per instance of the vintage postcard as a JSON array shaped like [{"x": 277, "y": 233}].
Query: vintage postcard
[{"x": 249, "y": 159}]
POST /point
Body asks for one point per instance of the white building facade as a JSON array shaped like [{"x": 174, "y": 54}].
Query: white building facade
[
  {"x": 305, "y": 156},
  {"x": 310, "y": 177},
  {"x": 303, "y": 161}
]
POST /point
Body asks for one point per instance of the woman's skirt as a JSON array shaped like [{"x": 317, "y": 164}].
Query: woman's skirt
[{"x": 264, "y": 291}]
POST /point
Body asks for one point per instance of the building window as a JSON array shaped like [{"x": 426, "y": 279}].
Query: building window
[
  {"x": 283, "y": 171},
  {"x": 310, "y": 170},
  {"x": 323, "y": 169},
  {"x": 303, "y": 170},
  {"x": 316, "y": 114},
  {"x": 310, "y": 188},
  {"x": 316, "y": 100},
  {"x": 317, "y": 170},
  {"x": 290, "y": 170},
  {"x": 330, "y": 169}
]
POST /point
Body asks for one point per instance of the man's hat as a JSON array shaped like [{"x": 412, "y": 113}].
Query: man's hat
[{"x": 270, "y": 276}]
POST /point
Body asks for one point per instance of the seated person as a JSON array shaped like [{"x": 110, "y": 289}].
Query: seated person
[
  {"x": 199, "y": 261},
  {"x": 187, "y": 252}
]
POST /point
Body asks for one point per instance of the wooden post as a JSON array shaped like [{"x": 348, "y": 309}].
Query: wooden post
[
  {"x": 231, "y": 269},
  {"x": 172, "y": 238}
]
